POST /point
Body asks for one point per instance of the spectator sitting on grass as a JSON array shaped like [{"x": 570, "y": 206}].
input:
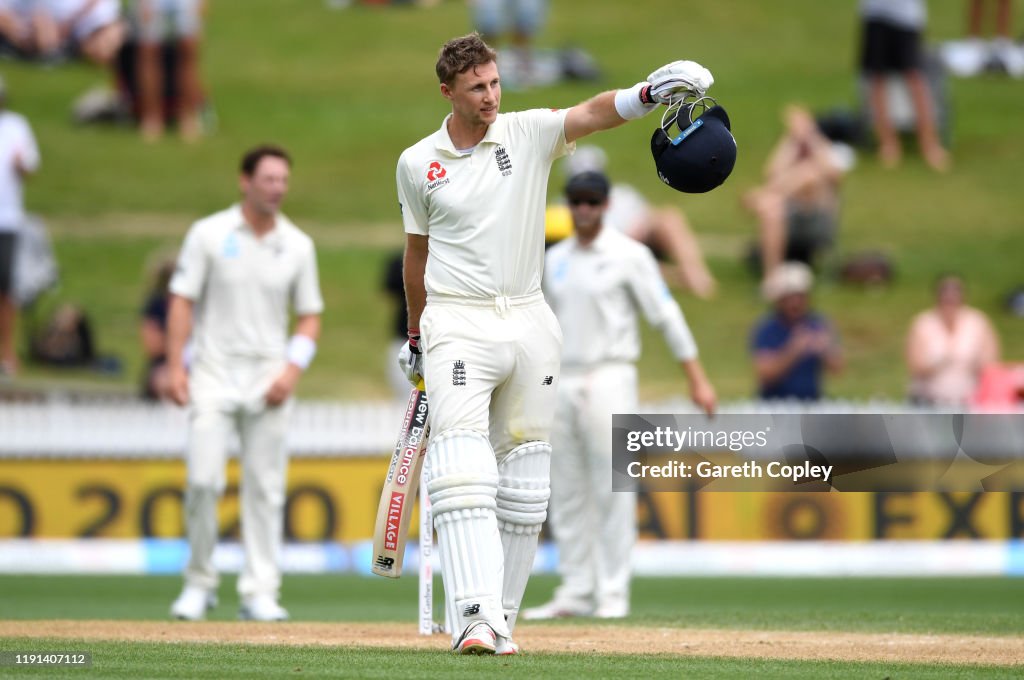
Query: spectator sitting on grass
[
  {"x": 797, "y": 207},
  {"x": 51, "y": 30},
  {"x": 793, "y": 345},
  {"x": 948, "y": 348}
]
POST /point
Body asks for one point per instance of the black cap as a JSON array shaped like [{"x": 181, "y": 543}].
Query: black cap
[
  {"x": 593, "y": 184},
  {"x": 700, "y": 157}
]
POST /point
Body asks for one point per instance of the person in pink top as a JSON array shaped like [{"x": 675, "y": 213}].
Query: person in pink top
[{"x": 948, "y": 347}]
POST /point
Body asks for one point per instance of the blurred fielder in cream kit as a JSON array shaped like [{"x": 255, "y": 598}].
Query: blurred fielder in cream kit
[
  {"x": 480, "y": 333},
  {"x": 239, "y": 272},
  {"x": 598, "y": 282}
]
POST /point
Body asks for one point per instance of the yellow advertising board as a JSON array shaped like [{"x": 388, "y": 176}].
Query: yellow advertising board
[{"x": 336, "y": 499}]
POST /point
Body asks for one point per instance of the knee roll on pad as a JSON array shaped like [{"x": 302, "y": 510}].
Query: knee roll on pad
[
  {"x": 524, "y": 487},
  {"x": 462, "y": 473}
]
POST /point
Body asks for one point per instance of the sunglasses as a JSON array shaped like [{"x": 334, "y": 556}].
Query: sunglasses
[{"x": 593, "y": 202}]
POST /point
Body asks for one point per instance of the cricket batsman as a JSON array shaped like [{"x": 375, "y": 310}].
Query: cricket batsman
[{"x": 472, "y": 196}]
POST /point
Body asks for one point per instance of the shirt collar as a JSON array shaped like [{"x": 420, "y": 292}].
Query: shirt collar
[
  {"x": 599, "y": 244},
  {"x": 274, "y": 237},
  {"x": 495, "y": 135}
]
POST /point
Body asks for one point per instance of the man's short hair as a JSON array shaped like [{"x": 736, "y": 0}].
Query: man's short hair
[
  {"x": 252, "y": 157},
  {"x": 458, "y": 55}
]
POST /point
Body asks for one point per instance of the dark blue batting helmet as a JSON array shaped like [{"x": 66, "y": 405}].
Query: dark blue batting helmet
[{"x": 700, "y": 157}]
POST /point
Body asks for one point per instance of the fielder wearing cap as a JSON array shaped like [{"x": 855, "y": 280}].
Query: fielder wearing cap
[
  {"x": 599, "y": 282},
  {"x": 487, "y": 345}
]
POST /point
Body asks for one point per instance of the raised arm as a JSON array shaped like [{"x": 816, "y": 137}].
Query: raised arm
[
  {"x": 613, "y": 108},
  {"x": 596, "y": 114}
]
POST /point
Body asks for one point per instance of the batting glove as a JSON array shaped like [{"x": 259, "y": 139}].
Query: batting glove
[
  {"x": 677, "y": 79},
  {"x": 410, "y": 360}
]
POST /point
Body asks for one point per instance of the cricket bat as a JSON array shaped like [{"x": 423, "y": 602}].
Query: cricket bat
[{"x": 398, "y": 497}]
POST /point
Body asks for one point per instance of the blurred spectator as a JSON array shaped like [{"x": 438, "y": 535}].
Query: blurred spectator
[
  {"x": 793, "y": 345},
  {"x": 91, "y": 28},
  {"x": 664, "y": 229},
  {"x": 797, "y": 207},
  {"x": 1000, "y": 388},
  {"x": 153, "y": 330},
  {"x": 394, "y": 286},
  {"x": 948, "y": 348},
  {"x": 156, "y": 23},
  {"x": 492, "y": 19},
  {"x": 976, "y": 54},
  {"x": 892, "y": 34},
  {"x": 17, "y": 27},
  {"x": 67, "y": 341},
  {"x": 19, "y": 157}
]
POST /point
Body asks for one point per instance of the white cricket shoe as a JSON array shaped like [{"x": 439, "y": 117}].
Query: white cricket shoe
[
  {"x": 478, "y": 638},
  {"x": 193, "y": 603},
  {"x": 557, "y": 609},
  {"x": 262, "y": 608},
  {"x": 612, "y": 611}
]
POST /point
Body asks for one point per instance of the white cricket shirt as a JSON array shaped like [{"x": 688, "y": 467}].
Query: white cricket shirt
[
  {"x": 242, "y": 286},
  {"x": 597, "y": 292},
  {"x": 15, "y": 139},
  {"x": 483, "y": 212}
]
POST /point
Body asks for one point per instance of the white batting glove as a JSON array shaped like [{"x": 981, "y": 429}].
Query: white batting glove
[
  {"x": 410, "y": 360},
  {"x": 679, "y": 78}
]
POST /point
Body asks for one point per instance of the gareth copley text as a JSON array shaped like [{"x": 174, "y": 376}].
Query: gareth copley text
[{"x": 800, "y": 472}]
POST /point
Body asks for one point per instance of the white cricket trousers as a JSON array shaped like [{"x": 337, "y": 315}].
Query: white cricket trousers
[
  {"x": 229, "y": 399},
  {"x": 491, "y": 373},
  {"x": 491, "y": 365},
  {"x": 594, "y": 528}
]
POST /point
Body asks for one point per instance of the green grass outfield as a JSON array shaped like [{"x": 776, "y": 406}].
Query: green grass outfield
[
  {"x": 968, "y": 606},
  {"x": 346, "y": 91},
  {"x": 155, "y": 660}
]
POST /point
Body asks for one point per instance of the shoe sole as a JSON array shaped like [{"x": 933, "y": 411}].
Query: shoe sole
[{"x": 475, "y": 647}]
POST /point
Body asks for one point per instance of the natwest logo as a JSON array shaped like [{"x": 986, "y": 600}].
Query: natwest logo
[
  {"x": 437, "y": 175},
  {"x": 435, "y": 171}
]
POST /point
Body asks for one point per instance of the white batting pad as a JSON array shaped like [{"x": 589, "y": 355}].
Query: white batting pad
[
  {"x": 463, "y": 483},
  {"x": 522, "y": 503}
]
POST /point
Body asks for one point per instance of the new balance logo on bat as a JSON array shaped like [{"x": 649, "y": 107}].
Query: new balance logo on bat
[{"x": 385, "y": 562}]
